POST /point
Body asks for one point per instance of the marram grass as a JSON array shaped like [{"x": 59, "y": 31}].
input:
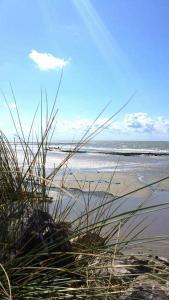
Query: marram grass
[{"x": 46, "y": 253}]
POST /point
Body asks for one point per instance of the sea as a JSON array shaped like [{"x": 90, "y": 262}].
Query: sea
[{"x": 139, "y": 157}]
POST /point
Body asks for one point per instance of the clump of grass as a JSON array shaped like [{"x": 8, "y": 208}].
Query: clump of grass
[{"x": 45, "y": 251}]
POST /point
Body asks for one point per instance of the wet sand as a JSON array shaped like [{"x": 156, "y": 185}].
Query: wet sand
[
  {"x": 117, "y": 184},
  {"x": 155, "y": 222}
]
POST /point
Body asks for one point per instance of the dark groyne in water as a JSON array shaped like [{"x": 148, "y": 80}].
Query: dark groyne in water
[{"x": 127, "y": 153}]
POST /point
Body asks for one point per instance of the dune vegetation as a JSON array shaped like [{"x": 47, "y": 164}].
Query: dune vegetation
[{"x": 45, "y": 251}]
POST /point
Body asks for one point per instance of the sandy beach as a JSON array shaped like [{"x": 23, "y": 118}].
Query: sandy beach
[
  {"x": 94, "y": 175},
  {"x": 117, "y": 184}
]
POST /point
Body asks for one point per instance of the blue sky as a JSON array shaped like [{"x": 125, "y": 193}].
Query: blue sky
[{"x": 107, "y": 49}]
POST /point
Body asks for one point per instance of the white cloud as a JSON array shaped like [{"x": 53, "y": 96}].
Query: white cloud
[
  {"x": 76, "y": 124},
  {"x": 133, "y": 123},
  {"x": 162, "y": 125},
  {"x": 47, "y": 61},
  {"x": 139, "y": 121}
]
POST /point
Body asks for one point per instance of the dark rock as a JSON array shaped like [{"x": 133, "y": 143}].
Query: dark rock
[
  {"x": 164, "y": 260},
  {"x": 89, "y": 240},
  {"x": 46, "y": 240},
  {"x": 146, "y": 293},
  {"x": 140, "y": 265},
  {"x": 145, "y": 288}
]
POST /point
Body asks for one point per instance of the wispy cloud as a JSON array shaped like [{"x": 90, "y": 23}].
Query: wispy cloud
[{"x": 47, "y": 61}]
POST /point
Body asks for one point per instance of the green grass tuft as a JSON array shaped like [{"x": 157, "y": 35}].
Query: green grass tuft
[{"x": 48, "y": 253}]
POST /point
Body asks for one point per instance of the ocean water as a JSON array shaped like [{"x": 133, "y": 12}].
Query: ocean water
[
  {"x": 135, "y": 157},
  {"x": 155, "y": 147},
  {"x": 108, "y": 156}
]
